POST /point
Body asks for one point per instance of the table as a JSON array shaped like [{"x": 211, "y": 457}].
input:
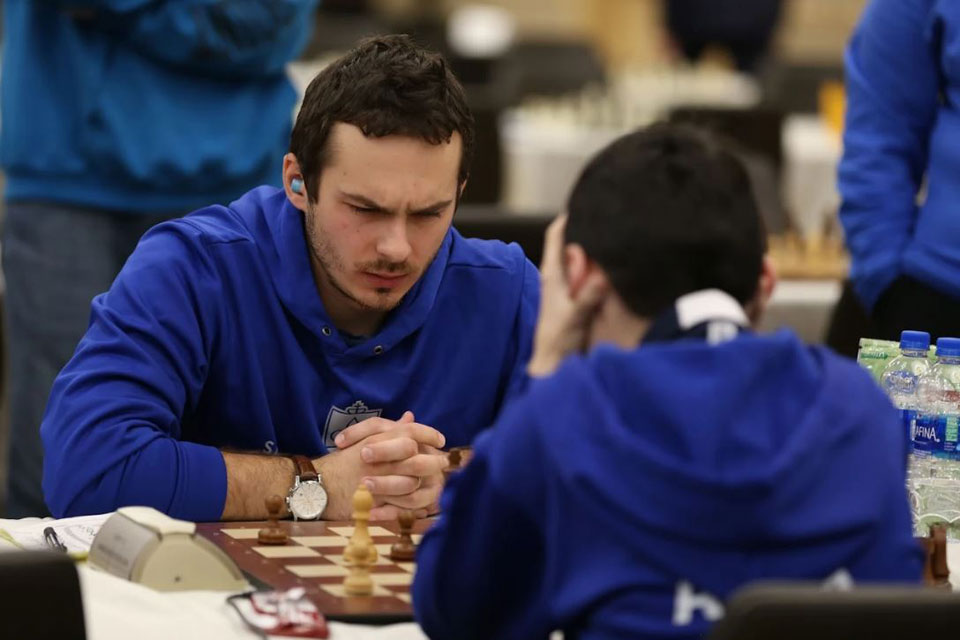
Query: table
[{"x": 113, "y": 607}]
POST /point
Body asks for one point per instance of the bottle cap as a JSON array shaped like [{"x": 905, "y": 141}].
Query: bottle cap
[
  {"x": 948, "y": 347},
  {"x": 914, "y": 340}
]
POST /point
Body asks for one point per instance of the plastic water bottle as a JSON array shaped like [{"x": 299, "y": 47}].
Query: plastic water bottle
[
  {"x": 936, "y": 432},
  {"x": 935, "y": 462},
  {"x": 902, "y": 374},
  {"x": 901, "y": 380}
]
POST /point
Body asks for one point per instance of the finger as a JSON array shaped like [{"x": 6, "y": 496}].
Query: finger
[
  {"x": 422, "y": 498},
  {"x": 406, "y": 417},
  {"x": 586, "y": 306},
  {"x": 421, "y": 465},
  {"x": 391, "y": 485},
  {"x": 392, "y": 512},
  {"x": 389, "y": 450},
  {"x": 423, "y": 434},
  {"x": 363, "y": 429},
  {"x": 553, "y": 244},
  {"x": 432, "y": 480},
  {"x": 438, "y": 481},
  {"x": 425, "y": 448},
  {"x": 374, "y": 449},
  {"x": 428, "y": 450},
  {"x": 385, "y": 429}
]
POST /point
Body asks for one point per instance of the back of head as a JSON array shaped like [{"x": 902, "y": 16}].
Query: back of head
[
  {"x": 667, "y": 211},
  {"x": 386, "y": 85}
]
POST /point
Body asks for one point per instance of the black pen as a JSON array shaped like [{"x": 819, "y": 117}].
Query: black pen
[{"x": 53, "y": 540}]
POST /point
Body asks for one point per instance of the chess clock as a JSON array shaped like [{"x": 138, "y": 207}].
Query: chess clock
[
  {"x": 143, "y": 545},
  {"x": 307, "y": 499}
]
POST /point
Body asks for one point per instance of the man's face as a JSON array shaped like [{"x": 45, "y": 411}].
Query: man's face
[{"x": 383, "y": 208}]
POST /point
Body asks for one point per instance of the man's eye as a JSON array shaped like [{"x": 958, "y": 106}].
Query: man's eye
[
  {"x": 363, "y": 209},
  {"x": 428, "y": 214}
]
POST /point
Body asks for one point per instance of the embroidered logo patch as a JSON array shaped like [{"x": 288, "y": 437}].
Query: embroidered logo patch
[{"x": 339, "y": 419}]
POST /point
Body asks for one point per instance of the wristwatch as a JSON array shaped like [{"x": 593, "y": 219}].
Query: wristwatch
[{"x": 307, "y": 498}]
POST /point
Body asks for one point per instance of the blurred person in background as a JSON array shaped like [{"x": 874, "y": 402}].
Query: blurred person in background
[
  {"x": 118, "y": 114},
  {"x": 744, "y": 28},
  {"x": 902, "y": 139}
]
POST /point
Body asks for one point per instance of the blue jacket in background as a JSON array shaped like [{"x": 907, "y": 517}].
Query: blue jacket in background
[
  {"x": 135, "y": 105},
  {"x": 214, "y": 336},
  {"x": 630, "y": 493},
  {"x": 903, "y": 124}
]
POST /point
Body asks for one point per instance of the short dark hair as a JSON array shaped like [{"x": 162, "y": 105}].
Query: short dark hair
[
  {"x": 386, "y": 85},
  {"x": 668, "y": 210}
]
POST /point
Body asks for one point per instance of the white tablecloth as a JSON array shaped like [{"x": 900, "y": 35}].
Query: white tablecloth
[{"x": 113, "y": 608}]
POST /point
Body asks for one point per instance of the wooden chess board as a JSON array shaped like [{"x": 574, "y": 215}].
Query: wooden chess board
[{"x": 313, "y": 559}]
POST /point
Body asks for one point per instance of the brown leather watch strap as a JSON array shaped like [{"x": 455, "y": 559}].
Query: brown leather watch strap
[{"x": 305, "y": 470}]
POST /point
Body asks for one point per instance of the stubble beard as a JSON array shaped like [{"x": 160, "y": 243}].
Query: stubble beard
[{"x": 330, "y": 262}]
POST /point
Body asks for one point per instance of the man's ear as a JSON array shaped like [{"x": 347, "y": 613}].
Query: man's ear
[
  {"x": 575, "y": 268},
  {"x": 582, "y": 273},
  {"x": 766, "y": 283},
  {"x": 293, "y": 182}
]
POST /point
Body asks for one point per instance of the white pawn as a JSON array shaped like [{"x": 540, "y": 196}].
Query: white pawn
[{"x": 360, "y": 553}]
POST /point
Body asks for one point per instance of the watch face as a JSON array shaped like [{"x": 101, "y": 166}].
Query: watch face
[{"x": 308, "y": 501}]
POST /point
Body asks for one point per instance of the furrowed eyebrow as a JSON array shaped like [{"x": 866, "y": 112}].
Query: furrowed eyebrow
[
  {"x": 370, "y": 204},
  {"x": 434, "y": 208},
  {"x": 363, "y": 201}
]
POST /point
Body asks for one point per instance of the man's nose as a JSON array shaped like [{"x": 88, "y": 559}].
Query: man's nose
[{"x": 394, "y": 243}]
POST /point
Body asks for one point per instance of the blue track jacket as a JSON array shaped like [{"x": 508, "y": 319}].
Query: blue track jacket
[
  {"x": 627, "y": 495},
  {"x": 214, "y": 335},
  {"x": 903, "y": 124},
  {"x": 147, "y": 106}
]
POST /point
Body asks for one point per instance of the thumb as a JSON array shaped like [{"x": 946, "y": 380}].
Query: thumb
[{"x": 406, "y": 417}]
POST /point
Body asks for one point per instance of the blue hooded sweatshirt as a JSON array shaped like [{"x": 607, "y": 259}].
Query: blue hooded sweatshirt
[
  {"x": 214, "y": 336},
  {"x": 144, "y": 106},
  {"x": 628, "y": 494},
  {"x": 902, "y": 126}
]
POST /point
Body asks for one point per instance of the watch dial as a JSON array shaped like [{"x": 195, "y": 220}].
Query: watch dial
[{"x": 308, "y": 501}]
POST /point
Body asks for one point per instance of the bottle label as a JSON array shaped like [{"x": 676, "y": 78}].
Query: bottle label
[
  {"x": 909, "y": 417},
  {"x": 949, "y": 424},
  {"x": 936, "y": 435},
  {"x": 900, "y": 382}
]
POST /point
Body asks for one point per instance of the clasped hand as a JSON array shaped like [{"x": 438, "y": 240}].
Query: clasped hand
[{"x": 399, "y": 460}]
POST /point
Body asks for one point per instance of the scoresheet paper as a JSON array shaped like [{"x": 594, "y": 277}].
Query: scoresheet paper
[{"x": 76, "y": 533}]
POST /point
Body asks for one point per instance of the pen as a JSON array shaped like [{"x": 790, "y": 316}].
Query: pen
[{"x": 53, "y": 540}]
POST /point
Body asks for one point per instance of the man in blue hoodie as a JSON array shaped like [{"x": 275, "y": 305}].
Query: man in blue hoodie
[
  {"x": 341, "y": 318},
  {"x": 117, "y": 115},
  {"x": 899, "y": 171},
  {"x": 666, "y": 454}
]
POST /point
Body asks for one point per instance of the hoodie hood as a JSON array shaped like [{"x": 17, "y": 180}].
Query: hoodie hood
[
  {"x": 631, "y": 492},
  {"x": 751, "y": 443},
  {"x": 278, "y": 228}
]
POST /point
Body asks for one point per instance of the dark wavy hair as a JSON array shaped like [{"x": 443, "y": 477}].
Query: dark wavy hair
[
  {"x": 666, "y": 211},
  {"x": 386, "y": 85}
]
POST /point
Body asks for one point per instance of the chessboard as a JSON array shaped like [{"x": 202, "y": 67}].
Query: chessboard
[{"x": 313, "y": 559}]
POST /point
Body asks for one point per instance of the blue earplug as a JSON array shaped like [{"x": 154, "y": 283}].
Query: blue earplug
[{"x": 296, "y": 185}]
